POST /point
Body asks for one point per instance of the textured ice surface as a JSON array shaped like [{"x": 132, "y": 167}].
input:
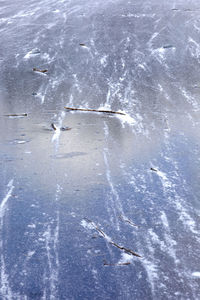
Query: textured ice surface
[{"x": 135, "y": 177}]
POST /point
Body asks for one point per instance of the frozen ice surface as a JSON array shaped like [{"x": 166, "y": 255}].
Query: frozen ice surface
[{"x": 135, "y": 177}]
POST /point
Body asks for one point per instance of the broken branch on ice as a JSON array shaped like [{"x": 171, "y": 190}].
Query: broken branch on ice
[
  {"x": 38, "y": 70},
  {"x": 127, "y": 250},
  {"x": 54, "y": 127},
  {"x": 116, "y": 265},
  {"x": 16, "y": 115},
  {"x": 95, "y": 110},
  {"x": 152, "y": 169}
]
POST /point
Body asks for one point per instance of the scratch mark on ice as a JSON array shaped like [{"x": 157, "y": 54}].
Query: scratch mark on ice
[
  {"x": 57, "y": 132},
  {"x": 51, "y": 243},
  {"x": 114, "y": 200},
  {"x": 5, "y": 289}
]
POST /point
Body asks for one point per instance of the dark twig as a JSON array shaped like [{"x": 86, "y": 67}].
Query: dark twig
[
  {"x": 61, "y": 128},
  {"x": 16, "y": 115},
  {"x": 97, "y": 228},
  {"x": 53, "y": 126},
  {"x": 110, "y": 241},
  {"x": 116, "y": 265},
  {"x": 95, "y": 110},
  {"x": 152, "y": 169},
  {"x": 38, "y": 70},
  {"x": 125, "y": 249}
]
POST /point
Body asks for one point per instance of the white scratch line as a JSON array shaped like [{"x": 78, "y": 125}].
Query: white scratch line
[
  {"x": 5, "y": 289},
  {"x": 5, "y": 199}
]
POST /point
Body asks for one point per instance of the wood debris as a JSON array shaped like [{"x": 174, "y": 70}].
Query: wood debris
[
  {"x": 127, "y": 250},
  {"x": 81, "y": 44},
  {"x": 65, "y": 128},
  {"x": 17, "y": 115},
  {"x": 95, "y": 110},
  {"x": 168, "y": 46},
  {"x": 152, "y": 169},
  {"x": 116, "y": 265},
  {"x": 41, "y": 71},
  {"x": 53, "y": 126}
]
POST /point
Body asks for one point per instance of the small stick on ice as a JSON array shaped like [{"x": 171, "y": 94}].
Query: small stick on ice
[
  {"x": 127, "y": 250},
  {"x": 61, "y": 128},
  {"x": 16, "y": 115},
  {"x": 152, "y": 169},
  {"x": 94, "y": 225},
  {"x": 95, "y": 110},
  {"x": 116, "y": 265},
  {"x": 38, "y": 70},
  {"x": 53, "y": 126}
]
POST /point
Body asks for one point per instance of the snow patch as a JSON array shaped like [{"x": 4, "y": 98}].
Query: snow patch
[
  {"x": 126, "y": 119},
  {"x": 125, "y": 258},
  {"x": 87, "y": 225},
  {"x": 32, "y": 53},
  {"x": 165, "y": 182},
  {"x": 30, "y": 254},
  {"x": 32, "y": 226},
  {"x": 103, "y": 61},
  {"x": 57, "y": 132},
  {"x": 196, "y": 274}
]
